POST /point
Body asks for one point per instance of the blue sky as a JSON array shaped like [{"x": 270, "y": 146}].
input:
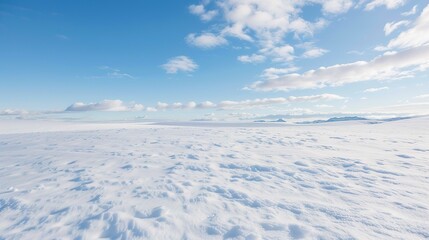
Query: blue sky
[{"x": 214, "y": 59}]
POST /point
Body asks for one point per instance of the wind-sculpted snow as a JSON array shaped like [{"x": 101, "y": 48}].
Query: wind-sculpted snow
[{"x": 339, "y": 181}]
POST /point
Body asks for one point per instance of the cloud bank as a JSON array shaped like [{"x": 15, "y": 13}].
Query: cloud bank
[
  {"x": 105, "y": 105},
  {"x": 119, "y": 106},
  {"x": 13, "y": 112},
  {"x": 385, "y": 67}
]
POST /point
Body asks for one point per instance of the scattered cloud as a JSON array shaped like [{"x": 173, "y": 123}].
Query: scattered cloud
[
  {"x": 310, "y": 51},
  {"x": 411, "y": 12},
  {"x": 371, "y": 90},
  {"x": 280, "y": 100},
  {"x": 254, "y": 58},
  {"x": 314, "y": 53},
  {"x": 205, "y": 105},
  {"x": 205, "y": 40},
  {"x": 265, "y": 23},
  {"x": 385, "y": 67},
  {"x": 389, "y": 4},
  {"x": 273, "y": 73},
  {"x": 392, "y": 26},
  {"x": 105, "y": 105},
  {"x": 335, "y": 6},
  {"x": 283, "y": 53},
  {"x": 180, "y": 64},
  {"x": 355, "y": 52},
  {"x": 414, "y": 36},
  {"x": 151, "y": 109},
  {"x": 200, "y": 11},
  {"x": 177, "y": 105}
]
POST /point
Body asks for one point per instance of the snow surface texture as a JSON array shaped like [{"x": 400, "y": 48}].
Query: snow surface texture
[{"x": 349, "y": 180}]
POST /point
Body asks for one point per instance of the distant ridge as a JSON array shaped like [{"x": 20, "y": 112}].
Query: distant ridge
[
  {"x": 355, "y": 118},
  {"x": 280, "y": 120}
]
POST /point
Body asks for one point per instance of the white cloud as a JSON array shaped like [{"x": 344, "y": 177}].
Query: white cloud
[
  {"x": 179, "y": 105},
  {"x": 280, "y": 100},
  {"x": 416, "y": 36},
  {"x": 273, "y": 73},
  {"x": 392, "y": 26},
  {"x": 176, "y": 105},
  {"x": 314, "y": 53},
  {"x": 423, "y": 96},
  {"x": 190, "y": 105},
  {"x": 389, "y": 66},
  {"x": 205, "y": 40},
  {"x": 325, "y": 97},
  {"x": 254, "y": 58},
  {"x": 245, "y": 104},
  {"x": 266, "y": 23},
  {"x": 151, "y": 109},
  {"x": 136, "y": 107},
  {"x": 161, "y": 105},
  {"x": 236, "y": 31},
  {"x": 311, "y": 51},
  {"x": 180, "y": 64},
  {"x": 283, "y": 53},
  {"x": 200, "y": 11},
  {"x": 411, "y": 12},
  {"x": 197, "y": 9},
  {"x": 356, "y": 52},
  {"x": 206, "y": 104},
  {"x": 381, "y": 48},
  {"x": 371, "y": 90},
  {"x": 105, "y": 105},
  {"x": 335, "y": 6},
  {"x": 13, "y": 112},
  {"x": 251, "y": 103},
  {"x": 389, "y": 4}
]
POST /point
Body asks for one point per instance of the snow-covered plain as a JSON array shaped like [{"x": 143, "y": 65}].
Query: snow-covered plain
[{"x": 344, "y": 180}]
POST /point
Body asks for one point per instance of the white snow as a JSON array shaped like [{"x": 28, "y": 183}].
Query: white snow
[{"x": 344, "y": 180}]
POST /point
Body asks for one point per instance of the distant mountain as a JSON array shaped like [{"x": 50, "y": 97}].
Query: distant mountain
[
  {"x": 341, "y": 119},
  {"x": 280, "y": 120},
  {"x": 396, "y": 119},
  {"x": 335, "y": 119}
]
